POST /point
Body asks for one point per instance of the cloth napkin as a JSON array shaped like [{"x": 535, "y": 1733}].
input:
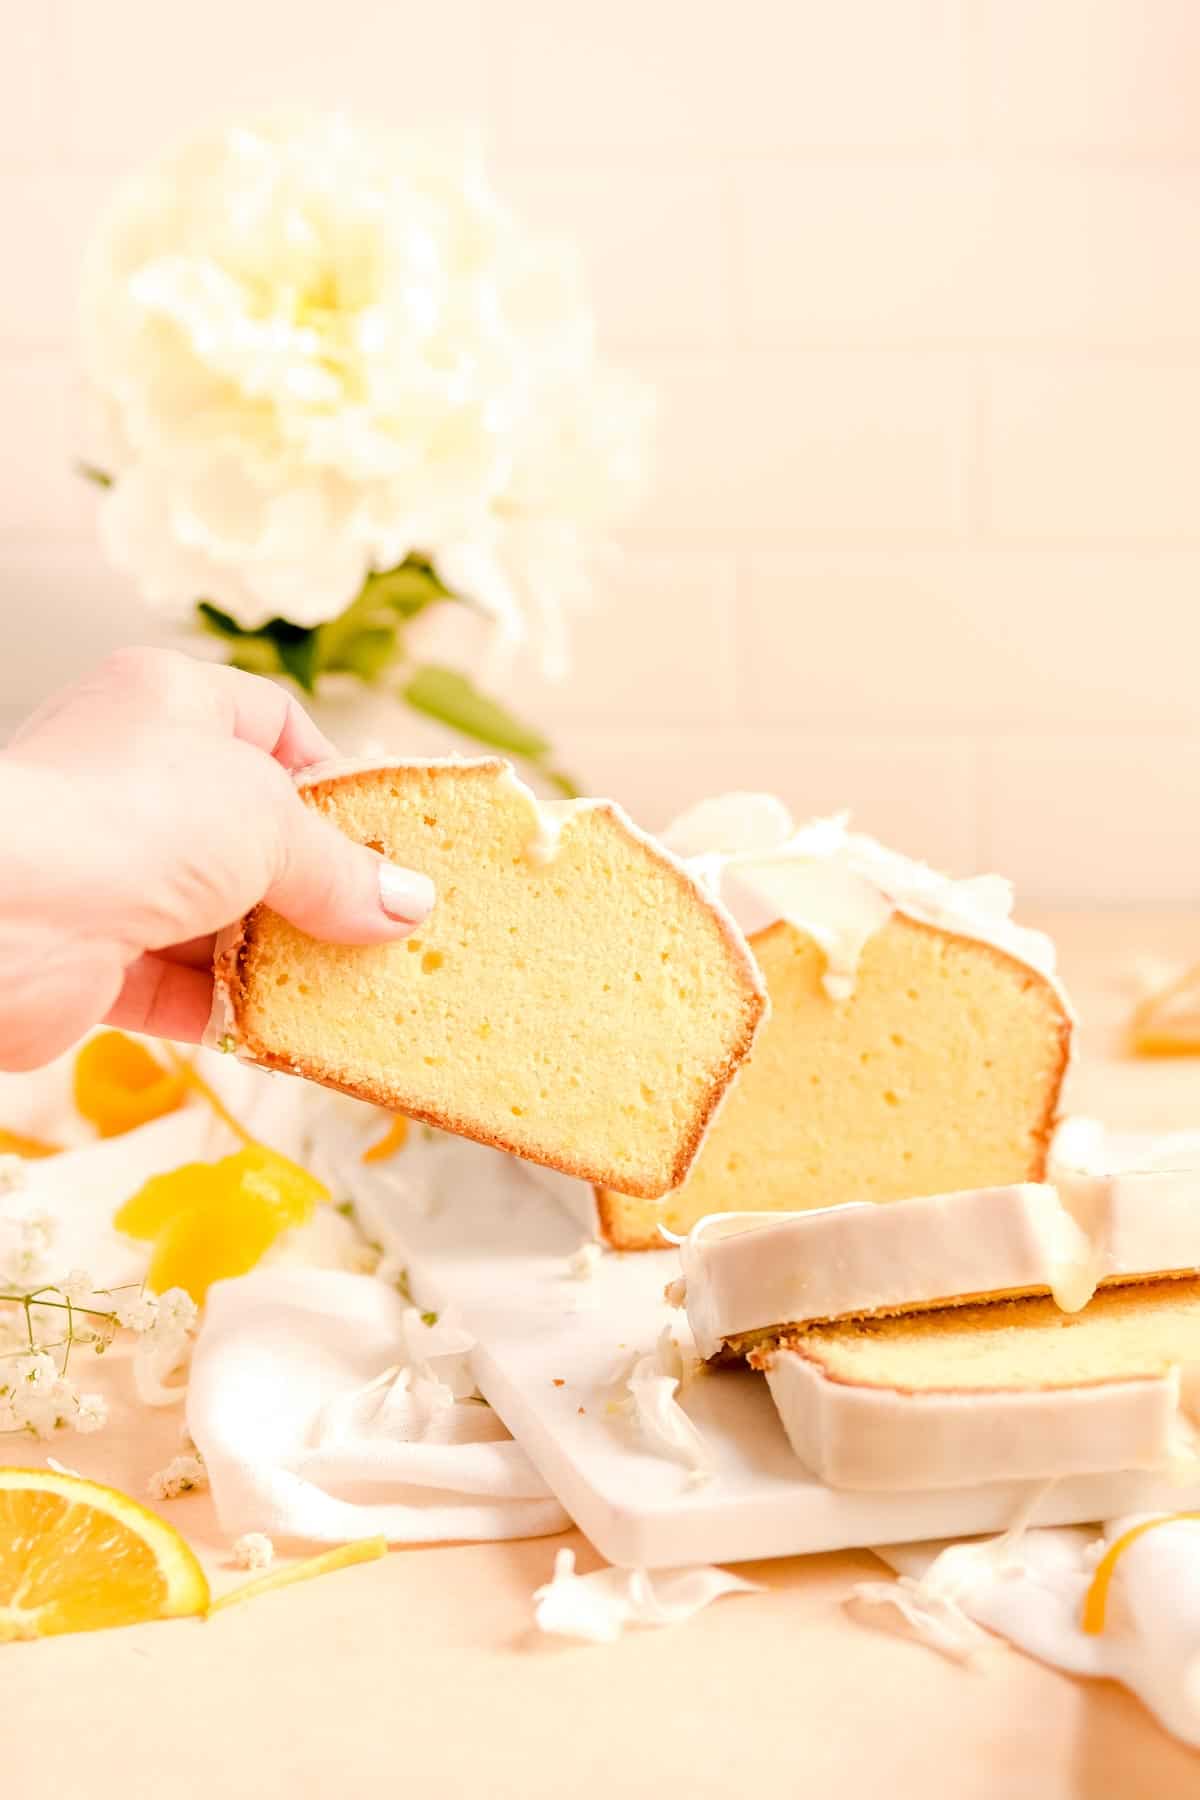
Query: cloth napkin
[
  {"x": 327, "y": 1409},
  {"x": 1029, "y": 1588}
]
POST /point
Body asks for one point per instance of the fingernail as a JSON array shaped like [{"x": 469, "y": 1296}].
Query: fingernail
[{"x": 404, "y": 893}]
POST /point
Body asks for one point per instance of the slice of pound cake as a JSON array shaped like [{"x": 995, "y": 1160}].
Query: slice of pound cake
[
  {"x": 574, "y": 997},
  {"x": 748, "y": 1281},
  {"x": 917, "y": 1040},
  {"x": 1008, "y": 1390}
]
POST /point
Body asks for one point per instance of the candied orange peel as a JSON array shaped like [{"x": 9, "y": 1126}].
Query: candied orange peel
[
  {"x": 393, "y": 1139},
  {"x": 365, "y": 1550},
  {"x": 118, "y": 1085},
  {"x": 209, "y": 1221},
  {"x": 1095, "y": 1601},
  {"x": 15, "y": 1143},
  {"x": 1167, "y": 1022}
]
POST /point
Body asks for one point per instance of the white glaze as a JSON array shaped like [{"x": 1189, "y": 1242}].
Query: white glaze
[
  {"x": 844, "y": 1261},
  {"x": 837, "y": 886},
  {"x": 853, "y": 1436},
  {"x": 748, "y": 1272}
]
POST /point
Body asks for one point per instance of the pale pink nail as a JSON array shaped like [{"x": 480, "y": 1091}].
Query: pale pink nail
[{"x": 404, "y": 893}]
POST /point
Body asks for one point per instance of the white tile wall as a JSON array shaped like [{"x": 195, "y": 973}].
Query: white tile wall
[{"x": 918, "y": 282}]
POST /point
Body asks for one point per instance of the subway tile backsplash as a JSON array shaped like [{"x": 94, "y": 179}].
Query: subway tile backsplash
[{"x": 918, "y": 284}]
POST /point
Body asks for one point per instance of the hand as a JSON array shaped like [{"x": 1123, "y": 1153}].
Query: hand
[{"x": 140, "y": 811}]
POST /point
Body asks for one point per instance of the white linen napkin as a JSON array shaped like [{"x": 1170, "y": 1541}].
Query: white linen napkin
[
  {"x": 326, "y": 1409},
  {"x": 1030, "y": 1589}
]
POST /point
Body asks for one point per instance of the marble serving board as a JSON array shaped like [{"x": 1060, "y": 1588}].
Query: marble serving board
[{"x": 479, "y": 1233}]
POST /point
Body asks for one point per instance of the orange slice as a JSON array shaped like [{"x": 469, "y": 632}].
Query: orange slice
[
  {"x": 393, "y": 1139},
  {"x": 78, "y": 1557},
  {"x": 13, "y": 1143},
  {"x": 1167, "y": 1023},
  {"x": 118, "y": 1084}
]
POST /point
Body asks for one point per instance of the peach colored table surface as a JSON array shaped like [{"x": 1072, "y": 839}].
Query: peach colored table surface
[{"x": 421, "y": 1674}]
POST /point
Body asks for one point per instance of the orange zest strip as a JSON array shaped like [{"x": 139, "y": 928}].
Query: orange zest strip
[
  {"x": 393, "y": 1139},
  {"x": 14, "y": 1143},
  {"x": 366, "y": 1550},
  {"x": 194, "y": 1079},
  {"x": 1095, "y": 1601}
]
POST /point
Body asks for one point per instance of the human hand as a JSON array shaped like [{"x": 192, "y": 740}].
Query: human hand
[{"x": 141, "y": 810}]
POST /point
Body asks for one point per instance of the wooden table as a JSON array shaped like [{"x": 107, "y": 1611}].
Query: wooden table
[{"x": 420, "y": 1675}]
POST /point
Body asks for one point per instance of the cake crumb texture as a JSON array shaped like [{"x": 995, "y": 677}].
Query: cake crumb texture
[
  {"x": 942, "y": 1071},
  {"x": 1126, "y": 1333},
  {"x": 584, "y": 1008}
]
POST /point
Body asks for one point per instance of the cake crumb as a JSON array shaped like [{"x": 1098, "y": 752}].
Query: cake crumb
[
  {"x": 584, "y": 1262},
  {"x": 558, "y": 1381}
]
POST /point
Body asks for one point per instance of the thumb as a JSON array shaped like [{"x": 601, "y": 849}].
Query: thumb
[{"x": 339, "y": 891}]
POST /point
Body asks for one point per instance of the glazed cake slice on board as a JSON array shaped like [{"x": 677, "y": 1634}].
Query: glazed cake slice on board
[
  {"x": 574, "y": 997},
  {"x": 750, "y": 1280},
  {"x": 1001, "y": 1391},
  {"x": 917, "y": 1041}
]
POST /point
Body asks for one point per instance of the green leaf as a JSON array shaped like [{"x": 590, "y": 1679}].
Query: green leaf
[
  {"x": 220, "y": 623},
  {"x": 448, "y": 695},
  {"x": 367, "y": 653},
  {"x": 406, "y": 590},
  {"x": 90, "y": 472},
  {"x": 257, "y": 656},
  {"x": 566, "y": 784},
  {"x": 297, "y": 652}
]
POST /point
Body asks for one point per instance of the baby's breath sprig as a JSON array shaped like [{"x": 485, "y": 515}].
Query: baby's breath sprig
[{"x": 39, "y": 1328}]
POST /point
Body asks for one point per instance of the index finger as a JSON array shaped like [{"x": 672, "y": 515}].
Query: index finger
[{"x": 269, "y": 717}]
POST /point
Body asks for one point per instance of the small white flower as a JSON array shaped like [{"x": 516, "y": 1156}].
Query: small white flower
[
  {"x": 136, "y": 1312},
  {"x": 582, "y": 1265},
  {"x": 181, "y": 1475},
  {"x": 26, "y": 1241},
  {"x": 99, "y": 1333},
  {"x": 177, "y": 1311},
  {"x": 254, "y": 1550},
  {"x": 78, "y": 1287},
  {"x": 38, "y": 1370},
  {"x": 13, "y": 1174},
  {"x": 91, "y": 1413}
]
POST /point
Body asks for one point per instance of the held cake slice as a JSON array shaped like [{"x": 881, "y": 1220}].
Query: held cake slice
[
  {"x": 917, "y": 1040},
  {"x": 751, "y": 1280},
  {"x": 1008, "y": 1390},
  {"x": 574, "y": 997}
]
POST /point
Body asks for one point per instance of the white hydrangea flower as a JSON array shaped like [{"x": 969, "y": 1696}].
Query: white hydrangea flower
[
  {"x": 315, "y": 350},
  {"x": 254, "y": 1550}
]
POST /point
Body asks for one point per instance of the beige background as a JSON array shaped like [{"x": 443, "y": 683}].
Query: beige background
[{"x": 919, "y": 284}]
